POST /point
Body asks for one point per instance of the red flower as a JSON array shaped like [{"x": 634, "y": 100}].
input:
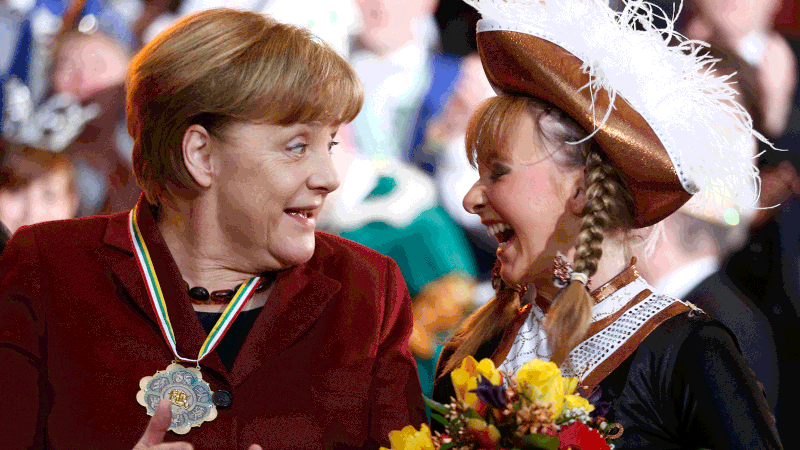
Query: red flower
[{"x": 577, "y": 436}]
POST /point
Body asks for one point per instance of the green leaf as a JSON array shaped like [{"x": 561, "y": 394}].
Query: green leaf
[
  {"x": 447, "y": 446},
  {"x": 440, "y": 419},
  {"x": 541, "y": 441},
  {"x": 436, "y": 406},
  {"x": 472, "y": 414}
]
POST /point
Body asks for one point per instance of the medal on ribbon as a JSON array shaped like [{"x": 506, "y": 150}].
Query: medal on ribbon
[{"x": 184, "y": 387}]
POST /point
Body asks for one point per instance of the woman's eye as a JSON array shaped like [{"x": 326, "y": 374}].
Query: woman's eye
[
  {"x": 332, "y": 144},
  {"x": 495, "y": 174},
  {"x": 298, "y": 149}
]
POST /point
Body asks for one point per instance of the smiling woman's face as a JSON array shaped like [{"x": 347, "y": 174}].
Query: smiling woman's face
[
  {"x": 271, "y": 182},
  {"x": 522, "y": 198}
]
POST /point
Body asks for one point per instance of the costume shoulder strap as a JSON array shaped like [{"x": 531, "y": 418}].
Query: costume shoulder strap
[{"x": 603, "y": 351}]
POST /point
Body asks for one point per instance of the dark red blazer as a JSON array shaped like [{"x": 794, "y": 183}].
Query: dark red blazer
[{"x": 326, "y": 364}]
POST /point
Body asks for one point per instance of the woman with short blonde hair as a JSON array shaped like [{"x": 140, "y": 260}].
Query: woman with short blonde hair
[{"x": 213, "y": 306}]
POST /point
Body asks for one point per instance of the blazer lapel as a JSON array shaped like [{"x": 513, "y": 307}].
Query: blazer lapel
[
  {"x": 126, "y": 269},
  {"x": 297, "y": 300}
]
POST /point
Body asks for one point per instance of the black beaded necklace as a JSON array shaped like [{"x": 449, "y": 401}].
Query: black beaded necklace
[{"x": 200, "y": 295}]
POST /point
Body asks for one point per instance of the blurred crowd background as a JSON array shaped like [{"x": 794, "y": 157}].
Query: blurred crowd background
[{"x": 66, "y": 152}]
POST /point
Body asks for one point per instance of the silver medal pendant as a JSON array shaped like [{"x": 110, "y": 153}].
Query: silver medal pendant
[{"x": 189, "y": 395}]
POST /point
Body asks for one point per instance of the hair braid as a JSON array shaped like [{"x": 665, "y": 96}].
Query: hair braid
[
  {"x": 491, "y": 319},
  {"x": 608, "y": 205},
  {"x": 600, "y": 204}
]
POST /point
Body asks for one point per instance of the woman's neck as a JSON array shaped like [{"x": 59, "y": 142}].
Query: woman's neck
[
  {"x": 196, "y": 246},
  {"x": 615, "y": 259}
]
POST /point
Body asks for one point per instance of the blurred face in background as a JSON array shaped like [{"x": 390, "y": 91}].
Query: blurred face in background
[
  {"x": 471, "y": 89},
  {"x": 87, "y": 64},
  {"x": 49, "y": 196},
  {"x": 747, "y": 27},
  {"x": 388, "y": 23}
]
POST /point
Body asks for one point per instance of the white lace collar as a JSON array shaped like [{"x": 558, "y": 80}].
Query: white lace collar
[{"x": 614, "y": 324}]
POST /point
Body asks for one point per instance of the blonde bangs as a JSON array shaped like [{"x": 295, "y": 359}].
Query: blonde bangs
[
  {"x": 300, "y": 79},
  {"x": 492, "y": 125},
  {"x": 222, "y": 65},
  {"x": 327, "y": 90}
]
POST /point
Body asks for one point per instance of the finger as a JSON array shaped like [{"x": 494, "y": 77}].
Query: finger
[
  {"x": 173, "y": 446},
  {"x": 255, "y": 447},
  {"x": 157, "y": 427}
]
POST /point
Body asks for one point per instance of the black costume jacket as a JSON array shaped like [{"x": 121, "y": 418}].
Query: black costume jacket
[{"x": 684, "y": 386}]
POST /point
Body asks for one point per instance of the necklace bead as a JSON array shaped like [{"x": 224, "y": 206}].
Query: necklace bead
[
  {"x": 200, "y": 295},
  {"x": 225, "y": 295}
]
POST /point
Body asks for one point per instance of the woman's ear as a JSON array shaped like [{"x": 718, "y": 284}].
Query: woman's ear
[
  {"x": 196, "y": 148},
  {"x": 577, "y": 199}
]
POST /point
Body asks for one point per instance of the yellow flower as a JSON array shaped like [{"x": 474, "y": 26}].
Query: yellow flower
[
  {"x": 542, "y": 381},
  {"x": 576, "y": 401},
  {"x": 410, "y": 439},
  {"x": 466, "y": 378},
  {"x": 486, "y": 368},
  {"x": 572, "y": 384}
]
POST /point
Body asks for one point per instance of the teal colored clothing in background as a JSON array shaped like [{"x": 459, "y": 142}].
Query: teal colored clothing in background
[
  {"x": 395, "y": 213},
  {"x": 427, "y": 370},
  {"x": 430, "y": 247}
]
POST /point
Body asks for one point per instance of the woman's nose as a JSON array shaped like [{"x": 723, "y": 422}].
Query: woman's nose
[
  {"x": 475, "y": 199},
  {"x": 324, "y": 176}
]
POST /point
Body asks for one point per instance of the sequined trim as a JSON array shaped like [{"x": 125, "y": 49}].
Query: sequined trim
[
  {"x": 589, "y": 354},
  {"x": 630, "y": 345}
]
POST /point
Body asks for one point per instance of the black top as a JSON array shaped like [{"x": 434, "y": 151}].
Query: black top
[
  {"x": 718, "y": 297},
  {"x": 232, "y": 341},
  {"x": 685, "y": 387},
  {"x": 766, "y": 271}
]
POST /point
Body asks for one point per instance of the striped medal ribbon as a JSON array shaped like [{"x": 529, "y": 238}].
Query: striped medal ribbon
[{"x": 191, "y": 396}]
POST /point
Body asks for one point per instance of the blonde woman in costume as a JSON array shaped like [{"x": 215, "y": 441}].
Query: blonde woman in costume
[{"x": 564, "y": 179}]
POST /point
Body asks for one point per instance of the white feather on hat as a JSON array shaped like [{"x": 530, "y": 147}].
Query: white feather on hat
[{"x": 693, "y": 111}]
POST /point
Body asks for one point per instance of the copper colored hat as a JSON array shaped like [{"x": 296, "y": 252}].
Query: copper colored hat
[{"x": 520, "y": 63}]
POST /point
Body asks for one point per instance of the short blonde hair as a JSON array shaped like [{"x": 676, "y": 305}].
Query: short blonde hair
[{"x": 221, "y": 66}]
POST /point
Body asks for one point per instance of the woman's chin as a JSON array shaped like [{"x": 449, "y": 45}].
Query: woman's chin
[
  {"x": 296, "y": 252},
  {"x": 511, "y": 276}
]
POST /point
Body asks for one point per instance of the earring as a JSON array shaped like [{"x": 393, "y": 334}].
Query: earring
[{"x": 563, "y": 274}]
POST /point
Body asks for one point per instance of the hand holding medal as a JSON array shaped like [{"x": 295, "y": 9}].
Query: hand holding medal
[{"x": 153, "y": 437}]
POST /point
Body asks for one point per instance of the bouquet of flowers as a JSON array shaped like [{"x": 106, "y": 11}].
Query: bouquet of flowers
[{"x": 537, "y": 410}]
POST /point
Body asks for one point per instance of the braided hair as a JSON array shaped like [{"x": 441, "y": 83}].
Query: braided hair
[{"x": 609, "y": 205}]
